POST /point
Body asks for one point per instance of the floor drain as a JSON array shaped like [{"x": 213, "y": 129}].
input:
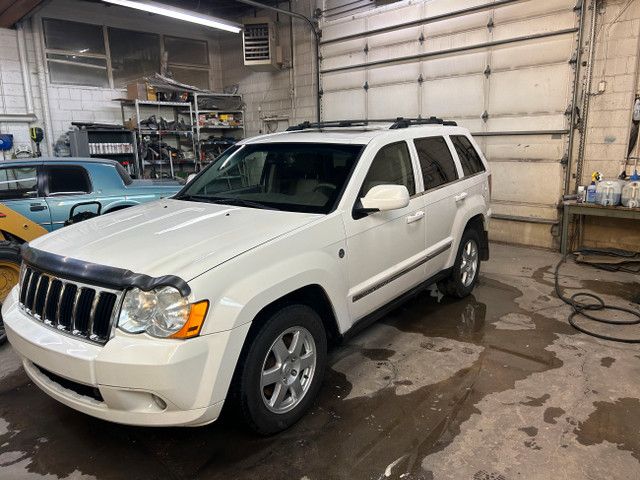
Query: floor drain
[{"x": 484, "y": 475}]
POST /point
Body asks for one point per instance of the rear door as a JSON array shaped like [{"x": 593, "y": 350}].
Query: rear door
[
  {"x": 21, "y": 191},
  {"x": 442, "y": 194},
  {"x": 65, "y": 186}
]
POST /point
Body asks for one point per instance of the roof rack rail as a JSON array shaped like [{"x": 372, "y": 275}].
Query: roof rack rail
[
  {"x": 396, "y": 123},
  {"x": 407, "y": 122}
]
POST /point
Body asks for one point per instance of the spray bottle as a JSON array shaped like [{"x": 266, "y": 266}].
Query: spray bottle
[{"x": 591, "y": 189}]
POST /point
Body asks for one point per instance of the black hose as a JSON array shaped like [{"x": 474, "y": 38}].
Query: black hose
[{"x": 582, "y": 308}]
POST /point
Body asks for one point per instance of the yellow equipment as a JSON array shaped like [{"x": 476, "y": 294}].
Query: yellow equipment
[{"x": 14, "y": 231}]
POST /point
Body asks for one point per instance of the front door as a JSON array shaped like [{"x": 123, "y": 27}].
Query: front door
[{"x": 386, "y": 249}]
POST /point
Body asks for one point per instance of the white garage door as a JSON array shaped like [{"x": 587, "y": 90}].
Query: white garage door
[{"x": 503, "y": 69}]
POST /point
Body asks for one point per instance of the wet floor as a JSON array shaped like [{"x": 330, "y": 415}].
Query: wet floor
[{"x": 495, "y": 386}]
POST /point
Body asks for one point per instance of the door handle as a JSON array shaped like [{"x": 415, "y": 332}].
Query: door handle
[
  {"x": 37, "y": 208},
  {"x": 462, "y": 196},
  {"x": 419, "y": 215}
]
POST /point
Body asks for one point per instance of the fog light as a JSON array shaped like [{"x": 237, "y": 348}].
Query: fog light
[{"x": 159, "y": 402}]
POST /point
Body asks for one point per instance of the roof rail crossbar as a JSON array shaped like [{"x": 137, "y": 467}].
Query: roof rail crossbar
[{"x": 398, "y": 122}]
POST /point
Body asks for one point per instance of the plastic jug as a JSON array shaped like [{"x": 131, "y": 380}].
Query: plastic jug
[
  {"x": 631, "y": 194},
  {"x": 608, "y": 193}
]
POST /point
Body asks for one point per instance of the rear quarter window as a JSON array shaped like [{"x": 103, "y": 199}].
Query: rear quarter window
[
  {"x": 436, "y": 162},
  {"x": 67, "y": 179},
  {"x": 469, "y": 158}
]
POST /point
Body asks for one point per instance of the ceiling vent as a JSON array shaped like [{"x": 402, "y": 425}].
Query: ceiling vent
[{"x": 259, "y": 44}]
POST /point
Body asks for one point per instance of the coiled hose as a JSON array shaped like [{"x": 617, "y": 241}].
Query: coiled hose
[{"x": 583, "y": 308}]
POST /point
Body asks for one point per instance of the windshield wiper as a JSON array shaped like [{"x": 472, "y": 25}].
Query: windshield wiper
[
  {"x": 242, "y": 203},
  {"x": 197, "y": 198}
]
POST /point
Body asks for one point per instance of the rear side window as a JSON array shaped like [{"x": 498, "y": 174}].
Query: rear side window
[
  {"x": 436, "y": 162},
  {"x": 469, "y": 158},
  {"x": 391, "y": 166},
  {"x": 67, "y": 179},
  {"x": 18, "y": 182}
]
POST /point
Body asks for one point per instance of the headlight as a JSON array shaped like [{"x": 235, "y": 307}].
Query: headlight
[{"x": 162, "y": 312}]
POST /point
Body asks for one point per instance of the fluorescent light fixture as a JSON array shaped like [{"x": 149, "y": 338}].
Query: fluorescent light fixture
[{"x": 178, "y": 14}]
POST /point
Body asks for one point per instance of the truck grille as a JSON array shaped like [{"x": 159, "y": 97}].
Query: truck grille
[{"x": 80, "y": 310}]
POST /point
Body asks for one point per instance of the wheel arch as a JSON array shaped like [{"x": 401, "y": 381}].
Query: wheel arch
[{"x": 479, "y": 223}]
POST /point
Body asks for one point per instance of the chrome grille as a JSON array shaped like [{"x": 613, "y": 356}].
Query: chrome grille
[{"x": 84, "y": 311}]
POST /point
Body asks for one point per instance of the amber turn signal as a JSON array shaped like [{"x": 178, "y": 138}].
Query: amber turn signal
[{"x": 194, "y": 324}]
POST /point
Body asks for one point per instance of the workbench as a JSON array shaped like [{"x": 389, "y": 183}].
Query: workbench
[{"x": 583, "y": 209}]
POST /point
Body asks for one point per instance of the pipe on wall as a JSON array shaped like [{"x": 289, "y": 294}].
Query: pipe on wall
[
  {"x": 24, "y": 69},
  {"x": 315, "y": 36},
  {"x": 42, "y": 85}
]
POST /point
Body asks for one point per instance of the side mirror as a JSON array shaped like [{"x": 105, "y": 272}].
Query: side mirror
[{"x": 385, "y": 197}]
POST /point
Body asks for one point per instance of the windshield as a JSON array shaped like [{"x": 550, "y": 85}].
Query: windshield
[{"x": 296, "y": 177}]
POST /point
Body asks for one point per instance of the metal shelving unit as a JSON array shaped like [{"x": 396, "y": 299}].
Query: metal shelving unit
[
  {"x": 119, "y": 145},
  {"x": 221, "y": 126},
  {"x": 181, "y": 140}
]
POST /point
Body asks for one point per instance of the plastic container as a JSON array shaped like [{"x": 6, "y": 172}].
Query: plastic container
[
  {"x": 631, "y": 194},
  {"x": 608, "y": 193},
  {"x": 591, "y": 193}
]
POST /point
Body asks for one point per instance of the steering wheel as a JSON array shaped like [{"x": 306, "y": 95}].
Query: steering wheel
[{"x": 325, "y": 186}]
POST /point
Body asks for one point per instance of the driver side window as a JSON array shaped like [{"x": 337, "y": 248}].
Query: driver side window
[{"x": 391, "y": 166}]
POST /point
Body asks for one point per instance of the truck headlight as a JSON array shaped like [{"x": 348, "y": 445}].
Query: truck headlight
[{"x": 162, "y": 312}]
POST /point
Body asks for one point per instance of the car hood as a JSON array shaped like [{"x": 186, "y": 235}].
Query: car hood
[{"x": 171, "y": 237}]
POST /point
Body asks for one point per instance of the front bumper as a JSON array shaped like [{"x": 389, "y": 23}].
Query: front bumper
[{"x": 137, "y": 379}]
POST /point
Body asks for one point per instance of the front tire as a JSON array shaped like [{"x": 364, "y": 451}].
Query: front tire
[
  {"x": 466, "y": 268},
  {"x": 282, "y": 369}
]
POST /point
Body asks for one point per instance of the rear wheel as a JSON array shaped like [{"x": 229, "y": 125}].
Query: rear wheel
[
  {"x": 464, "y": 274},
  {"x": 282, "y": 369},
  {"x": 10, "y": 259}
]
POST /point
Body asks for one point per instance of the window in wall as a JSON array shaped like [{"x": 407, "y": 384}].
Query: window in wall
[
  {"x": 469, "y": 158},
  {"x": 436, "y": 162},
  {"x": 188, "y": 60},
  {"x": 133, "y": 55},
  {"x": 75, "y": 53}
]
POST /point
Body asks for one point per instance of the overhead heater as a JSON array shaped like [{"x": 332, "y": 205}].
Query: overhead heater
[{"x": 259, "y": 44}]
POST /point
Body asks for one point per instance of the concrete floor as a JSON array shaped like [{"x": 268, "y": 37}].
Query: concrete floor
[{"x": 496, "y": 386}]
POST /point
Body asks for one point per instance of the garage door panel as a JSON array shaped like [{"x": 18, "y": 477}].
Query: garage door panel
[
  {"x": 527, "y": 182},
  {"x": 475, "y": 21},
  {"x": 394, "y": 51},
  {"x": 344, "y": 28},
  {"x": 392, "y": 102},
  {"x": 451, "y": 97},
  {"x": 540, "y": 89},
  {"x": 394, "y": 16},
  {"x": 344, "y": 105},
  {"x": 535, "y": 26},
  {"x": 524, "y": 147},
  {"x": 405, "y": 36},
  {"x": 392, "y": 74},
  {"x": 533, "y": 53},
  {"x": 343, "y": 48},
  {"x": 526, "y": 123},
  {"x": 343, "y": 80},
  {"x": 531, "y": 9},
  {"x": 344, "y": 59},
  {"x": 545, "y": 212},
  {"x": 471, "y": 63}
]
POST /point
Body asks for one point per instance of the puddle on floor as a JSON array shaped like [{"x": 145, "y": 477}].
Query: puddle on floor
[{"x": 405, "y": 413}]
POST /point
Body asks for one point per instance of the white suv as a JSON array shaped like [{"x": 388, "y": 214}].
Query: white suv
[{"x": 232, "y": 289}]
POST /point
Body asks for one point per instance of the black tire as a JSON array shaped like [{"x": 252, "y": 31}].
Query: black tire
[
  {"x": 10, "y": 260},
  {"x": 281, "y": 369},
  {"x": 466, "y": 268}
]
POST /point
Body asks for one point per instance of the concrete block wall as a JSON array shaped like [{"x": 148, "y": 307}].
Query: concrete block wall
[
  {"x": 613, "y": 90},
  {"x": 279, "y": 98}
]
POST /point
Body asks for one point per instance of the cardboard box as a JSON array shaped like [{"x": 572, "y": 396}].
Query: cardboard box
[
  {"x": 131, "y": 124},
  {"x": 141, "y": 91}
]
